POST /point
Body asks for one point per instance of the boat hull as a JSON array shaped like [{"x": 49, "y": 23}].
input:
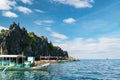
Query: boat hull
[{"x": 38, "y": 67}]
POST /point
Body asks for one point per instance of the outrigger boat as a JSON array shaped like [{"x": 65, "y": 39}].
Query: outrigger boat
[{"x": 18, "y": 62}]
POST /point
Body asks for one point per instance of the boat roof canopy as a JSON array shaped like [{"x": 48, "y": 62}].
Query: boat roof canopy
[{"x": 11, "y": 56}]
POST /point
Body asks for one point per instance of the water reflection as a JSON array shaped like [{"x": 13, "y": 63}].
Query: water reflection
[{"x": 24, "y": 75}]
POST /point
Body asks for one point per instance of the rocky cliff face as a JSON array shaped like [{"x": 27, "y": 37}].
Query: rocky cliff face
[
  {"x": 18, "y": 41},
  {"x": 10, "y": 43}
]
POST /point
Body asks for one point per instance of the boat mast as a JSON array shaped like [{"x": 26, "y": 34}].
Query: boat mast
[
  {"x": 1, "y": 51},
  {"x": 22, "y": 56}
]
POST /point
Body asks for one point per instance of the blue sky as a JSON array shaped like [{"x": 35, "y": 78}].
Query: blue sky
[{"x": 87, "y": 29}]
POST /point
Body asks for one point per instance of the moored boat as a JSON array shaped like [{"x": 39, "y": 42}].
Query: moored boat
[{"x": 18, "y": 62}]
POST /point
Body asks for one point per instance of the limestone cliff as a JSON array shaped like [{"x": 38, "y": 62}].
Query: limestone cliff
[{"x": 17, "y": 40}]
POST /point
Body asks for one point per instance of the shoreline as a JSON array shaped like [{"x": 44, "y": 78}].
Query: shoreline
[
  {"x": 55, "y": 61},
  {"x": 38, "y": 65}
]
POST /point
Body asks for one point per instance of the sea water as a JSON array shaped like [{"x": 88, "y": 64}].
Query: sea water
[{"x": 81, "y": 70}]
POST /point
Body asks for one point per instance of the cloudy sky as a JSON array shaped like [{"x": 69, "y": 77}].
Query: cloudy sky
[{"x": 87, "y": 29}]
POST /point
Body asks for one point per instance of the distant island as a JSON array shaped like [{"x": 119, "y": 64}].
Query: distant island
[{"x": 17, "y": 41}]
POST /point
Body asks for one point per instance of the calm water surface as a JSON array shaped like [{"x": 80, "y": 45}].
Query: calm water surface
[{"x": 82, "y": 70}]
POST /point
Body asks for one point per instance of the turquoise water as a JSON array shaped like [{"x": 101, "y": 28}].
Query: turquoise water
[{"x": 82, "y": 70}]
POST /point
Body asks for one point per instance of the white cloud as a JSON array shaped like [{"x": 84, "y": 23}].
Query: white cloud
[
  {"x": 77, "y": 3},
  {"x": 9, "y": 14},
  {"x": 39, "y": 11},
  {"x": 7, "y": 4},
  {"x": 48, "y": 21},
  {"x": 48, "y": 29},
  {"x": 27, "y": 1},
  {"x": 42, "y": 22},
  {"x": 69, "y": 20},
  {"x": 58, "y": 40},
  {"x": 1, "y": 27},
  {"x": 59, "y": 36},
  {"x": 38, "y": 22},
  {"x": 91, "y": 48},
  {"x": 24, "y": 9}
]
